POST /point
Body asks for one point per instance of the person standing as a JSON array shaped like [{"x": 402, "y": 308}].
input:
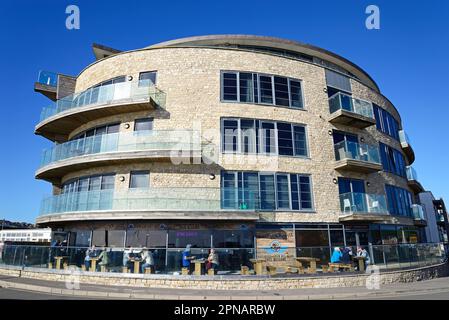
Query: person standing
[
  {"x": 361, "y": 252},
  {"x": 212, "y": 261}
]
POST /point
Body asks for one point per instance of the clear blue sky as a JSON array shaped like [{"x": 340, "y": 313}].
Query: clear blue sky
[{"x": 407, "y": 57}]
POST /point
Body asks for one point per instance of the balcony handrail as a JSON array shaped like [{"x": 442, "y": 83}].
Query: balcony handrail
[
  {"x": 404, "y": 138},
  {"x": 107, "y": 94},
  {"x": 418, "y": 211},
  {"x": 149, "y": 199},
  {"x": 363, "y": 203},
  {"x": 48, "y": 78},
  {"x": 346, "y": 102},
  {"x": 356, "y": 151},
  {"x": 158, "y": 140},
  {"x": 411, "y": 173}
]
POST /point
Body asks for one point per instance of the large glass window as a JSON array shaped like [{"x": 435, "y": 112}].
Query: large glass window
[
  {"x": 265, "y": 137},
  {"x": 385, "y": 122},
  {"x": 139, "y": 180},
  {"x": 145, "y": 124},
  {"x": 399, "y": 201},
  {"x": 147, "y": 78},
  {"x": 90, "y": 183},
  {"x": 98, "y": 131},
  {"x": 280, "y": 191},
  {"x": 392, "y": 160},
  {"x": 261, "y": 88}
]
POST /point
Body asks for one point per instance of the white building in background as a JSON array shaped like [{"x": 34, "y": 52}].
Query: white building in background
[
  {"x": 436, "y": 230},
  {"x": 26, "y": 235}
]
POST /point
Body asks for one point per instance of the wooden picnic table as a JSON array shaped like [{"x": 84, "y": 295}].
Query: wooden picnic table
[
  {"x": 58, "y": 261},
  {"x": 311, "y": 261},
  {"x": 93, "y": 263},
  {"x": 198, "y": 268},
  {"x": 136, "y": 262},
  {"x": 361, "y": 262},
  {"x": 258, "y": 265}
]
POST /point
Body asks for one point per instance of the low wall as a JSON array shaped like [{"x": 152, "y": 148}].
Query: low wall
[{"x": 231, "y": 282}]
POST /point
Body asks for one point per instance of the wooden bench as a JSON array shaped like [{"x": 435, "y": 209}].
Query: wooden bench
[
  {"x": 185, "y": 271},
  {"x": 325, "y": 269},
  {"x": 83, "y": 267},
  {"x": 211, "y": 272},
  {"x": 271, "y": 270},
  {"x": 244, "y": 270},
  {"x": 337, "y": 266},
  {"x": 148, "y": 270},
  {"x": 50, "y": 265},
  {"x": 103, "y": 269},
  {"x": 125, "y": 270}
]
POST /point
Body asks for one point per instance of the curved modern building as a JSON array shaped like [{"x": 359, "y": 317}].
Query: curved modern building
[{"x": 226, "y": 141}]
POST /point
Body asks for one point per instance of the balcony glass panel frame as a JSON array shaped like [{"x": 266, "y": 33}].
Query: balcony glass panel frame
[{"x": 342, "y": 101}]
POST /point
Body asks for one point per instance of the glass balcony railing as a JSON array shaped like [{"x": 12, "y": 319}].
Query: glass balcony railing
[
  {"x": 356, "y": 151},
  {"x": 164, "y": 140},
  {"x": 108, "y": 94},
  {"x": 418, "y": 212},
  {"x": 411, "y": 173},
  {"x": 403, "y": 138},
  {"x": 362, "y": 203},
  {"x": 341, "y": 101},
  {"x": 150, "y": 199},
  {"x": 48, "y": 78}
]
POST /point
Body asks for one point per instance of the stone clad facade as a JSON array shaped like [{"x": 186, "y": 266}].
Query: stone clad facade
[{"x": 190, "y": 78}]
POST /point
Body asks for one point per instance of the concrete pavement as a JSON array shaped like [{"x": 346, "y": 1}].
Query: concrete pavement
[{"x": 58, "y": 290}]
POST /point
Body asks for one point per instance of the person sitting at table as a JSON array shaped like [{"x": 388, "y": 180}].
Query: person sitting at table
[
  {"x": 212, "y": 261},
  {"x": 361, "y": 252},
  {"x": 186, "y": 257},
  {"x": 147, "y": 260},
  {"x": 336, "y": 255},
  {"x": 127, "y": 253},
  {"x": 104, "y": 258},
  {"x": 90, "y": 252},
  {"x": 346, "y": 255}
]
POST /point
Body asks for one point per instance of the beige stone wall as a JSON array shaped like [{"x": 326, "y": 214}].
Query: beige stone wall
[
  {"x": 240, "y": 283},
  {"x": 190, "y": 77}
]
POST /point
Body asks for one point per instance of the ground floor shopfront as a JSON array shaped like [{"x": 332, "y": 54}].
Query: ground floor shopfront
[{"x": 236, "y": 243}]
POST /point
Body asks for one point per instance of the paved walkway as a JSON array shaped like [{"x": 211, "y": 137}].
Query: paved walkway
[{"x": 116, "y": 292}]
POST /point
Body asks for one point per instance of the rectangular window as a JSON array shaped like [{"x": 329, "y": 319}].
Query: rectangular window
[
  {"x": 230, "y": 135},
  {"x": 385, "y": 122},
  {"x": 285, "y": 139},
  {"x": 266, "y": 89},
  {"x": 250, "y": 87},
  {"x": 267, "y": 192},
  {"x": 107, "y": 182},
  {"x": 246, "y": 87},
  {"x": 274, "y": 191},
  {"x": 399, "y": 201},
  {"x": 283, "y": 193},
  {"x": 139, "y": 179},
  {"x": 281, "y": 91},
  {"x": 299, "y": 138},
  {"x": 266, "y": 137},
  {"x": 392, "y": 160},
  {"x": 147, "y": 78},
  {"x": 296, "y": 94},
  {"x": 229, "y": 86},
  {"x": 145, "y": 124},
  {"x": 248, "y": 136}
]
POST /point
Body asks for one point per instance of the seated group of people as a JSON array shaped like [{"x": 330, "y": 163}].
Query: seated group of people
[
  {"x": 144, "y": 255},
  {"x": 211, "y": 261},
  {"x": 344, "y": 255}
]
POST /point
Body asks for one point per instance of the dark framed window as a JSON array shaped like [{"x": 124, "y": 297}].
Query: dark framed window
[
  {"x": 399, "y": 201},
  {"x": 147, "y": 78},
  {"x": 265, "y": 137},
  {"x": 98, "y": 131},
  {"x": 139, "y": 180},
  {"x": 144, "y": 124},
  {"x": 90, "y": 183},
  {"x": 251, "y": 87},
  {"x": 392, "y": 160},
  {"x": 385, "y": 122},
  {"x": 282, "y": 191}
]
